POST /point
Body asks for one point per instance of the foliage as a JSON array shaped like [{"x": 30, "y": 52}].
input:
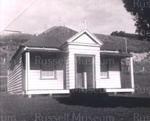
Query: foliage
[
  {"x": 140, "y": 10},
  {"x": 124, "y": 34}
]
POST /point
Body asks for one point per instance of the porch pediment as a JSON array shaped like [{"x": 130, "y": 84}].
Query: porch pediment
[{"x": 85, "y": 37}]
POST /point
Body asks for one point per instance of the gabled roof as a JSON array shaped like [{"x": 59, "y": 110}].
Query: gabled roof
[{"x": 56, "y": 36}]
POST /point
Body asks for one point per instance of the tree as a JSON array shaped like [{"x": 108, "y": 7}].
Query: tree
[
  {"x": 140, "y": 9},
  {"x": 118, "y": 33},
  {"x": 124, "y": 34}
]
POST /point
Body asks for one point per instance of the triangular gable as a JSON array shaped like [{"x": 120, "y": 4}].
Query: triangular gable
[{"x": 85, "y": 37}]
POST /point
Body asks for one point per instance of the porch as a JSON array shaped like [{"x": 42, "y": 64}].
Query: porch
[
  {"x": 115, "y": 62},
  {"x": 84, "y": 70},
  {"x": 112, "y": 79}
]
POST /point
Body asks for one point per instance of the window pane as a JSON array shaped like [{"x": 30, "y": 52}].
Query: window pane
[
  {"x": 104, "y": 70},
  {"x": 47, "y": 71}
]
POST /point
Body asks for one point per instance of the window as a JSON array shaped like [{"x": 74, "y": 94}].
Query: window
[
  {"x": 47, "y": 71},
  {"x": 47, "y": 68},
  {"x": 104, "y": 71}
]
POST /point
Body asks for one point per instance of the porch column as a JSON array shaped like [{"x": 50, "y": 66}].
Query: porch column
[
  {"x": 27, "y": 69},
  {"x": 85, "y": 79},
  {"x": 71, "y": 70},
  {"x": 132, "y": 72},
  {"x": 97, "y": 71}
]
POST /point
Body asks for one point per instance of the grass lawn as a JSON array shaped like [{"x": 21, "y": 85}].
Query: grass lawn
[{"x": 112, "y": 108}]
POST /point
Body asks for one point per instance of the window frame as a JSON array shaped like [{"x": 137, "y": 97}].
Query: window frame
[
  {"x": 54, "y": 71},
  {"x": 107, "y": 76}
]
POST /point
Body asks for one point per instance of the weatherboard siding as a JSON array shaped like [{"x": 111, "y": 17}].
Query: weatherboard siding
[
  {"x": 67, "y": 71},
  {"x": 15, "y": 76},
  {"x": 82, "y": 50},
  {"x": 114, "y": 80},
  {"x": 23, "y": 73},
  {"x": 36, "y": 83}
]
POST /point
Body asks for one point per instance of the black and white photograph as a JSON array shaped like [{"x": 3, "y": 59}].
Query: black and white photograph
[{"x": 74, "y": 60}]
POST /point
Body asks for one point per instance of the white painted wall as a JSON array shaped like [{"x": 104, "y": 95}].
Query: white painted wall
[
  {"x": 114, "y": 80},
  {"x": 36, "y": 83}
]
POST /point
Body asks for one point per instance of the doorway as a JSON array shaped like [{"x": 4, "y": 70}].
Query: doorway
[{"x": 84, "y": 71}]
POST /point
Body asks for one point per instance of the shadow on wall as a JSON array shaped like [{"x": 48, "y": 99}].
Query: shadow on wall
[{"x": 96, "y": 101}]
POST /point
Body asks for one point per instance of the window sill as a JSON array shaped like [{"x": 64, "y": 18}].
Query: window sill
[
  {"x": 48, "y": 78},
  {"x": 105, "y": 78}
]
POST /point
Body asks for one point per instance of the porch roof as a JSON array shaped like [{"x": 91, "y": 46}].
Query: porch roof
[
  {"x": 120, "y": 55},
  {"x": 43, "y": 49}
]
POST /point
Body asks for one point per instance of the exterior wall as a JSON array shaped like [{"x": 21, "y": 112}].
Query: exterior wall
[
  {"x": 83, "y": 50},
  {"x": 15, "y": 76},
  {"x": 23, "y": 73},
  {"x": 35, "y": 83},
  {"x": 67, "y": 71},
  {"x": 114, "y": 80}
]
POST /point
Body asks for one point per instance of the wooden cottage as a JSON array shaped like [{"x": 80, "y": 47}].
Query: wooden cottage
[{"x": 61, "y": 59}]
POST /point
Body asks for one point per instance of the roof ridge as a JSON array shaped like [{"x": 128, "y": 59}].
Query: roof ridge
[{"x": 50, "y": 29}]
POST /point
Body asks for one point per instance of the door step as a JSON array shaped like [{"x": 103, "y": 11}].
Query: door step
[{"x": 88, "y": 92}]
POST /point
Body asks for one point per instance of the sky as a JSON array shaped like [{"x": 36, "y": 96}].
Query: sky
[{"x": 102, "y": 16}]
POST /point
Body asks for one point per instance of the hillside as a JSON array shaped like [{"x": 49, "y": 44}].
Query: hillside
[
  {"x": 133, "y": 45},
  {"x": 8, "y": 46}
]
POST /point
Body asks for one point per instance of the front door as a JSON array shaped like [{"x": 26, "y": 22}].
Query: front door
[{"x": 84, "y": 71}]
